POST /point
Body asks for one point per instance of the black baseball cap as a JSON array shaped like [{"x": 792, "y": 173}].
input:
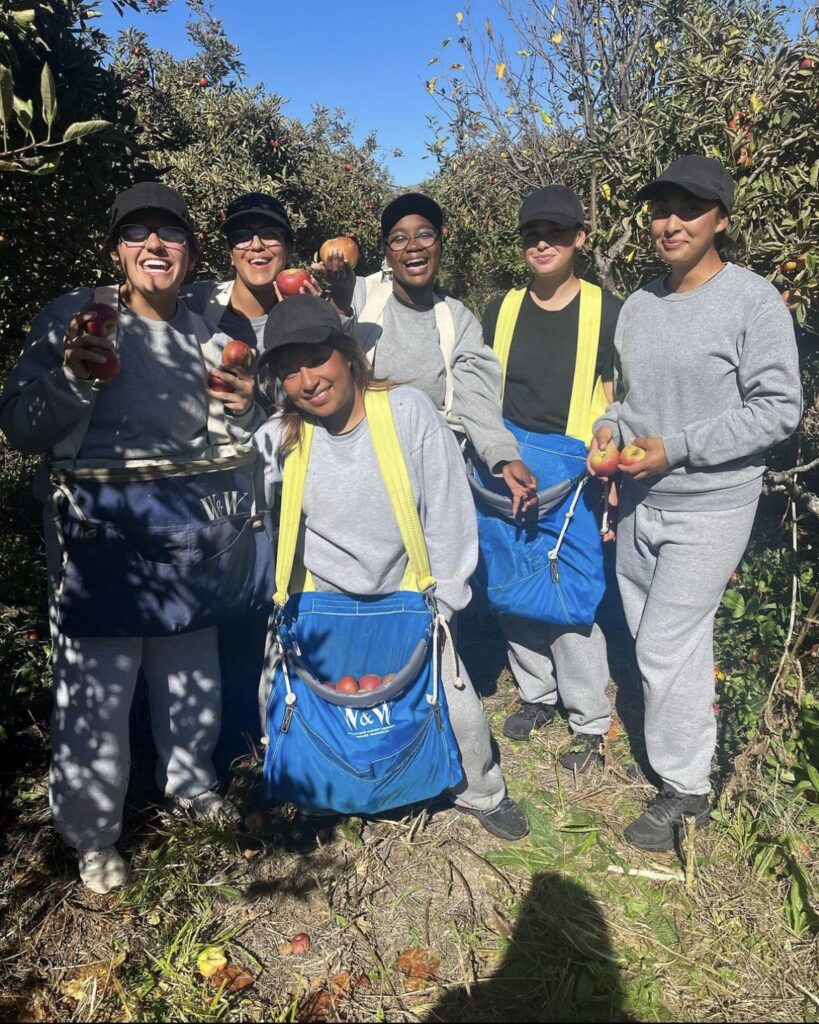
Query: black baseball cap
[
  {"x": 150, "y": 195},
  {"x": 702, "y": 176},
  {"x": 257, "y": 204},
  {"x": 407, "y": 204},
  {"x": 298, "y": 320},
  {"x": 555, "y": 203}
]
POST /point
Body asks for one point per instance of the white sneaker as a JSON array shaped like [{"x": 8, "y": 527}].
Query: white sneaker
[
  {"x": 102, "y": 870},
  {"x": 208, "y": 805}
]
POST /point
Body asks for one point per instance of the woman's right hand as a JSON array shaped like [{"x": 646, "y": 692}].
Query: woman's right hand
[
  {"x": 79, "y": 360},
  {"x": 602, "y": 439}
]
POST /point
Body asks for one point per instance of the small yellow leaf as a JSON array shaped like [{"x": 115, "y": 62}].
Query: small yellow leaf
[
  {"x": 557, "y": 38},
  {"x": 545, "y": 117},
  {"x": 605, "y": 188},
  {"x": 661, "y": 46},
  {"x": 211, "y": 960},
  {"x": 756, "y": 103},
  {"x": 431, "y": 85},
  {"x": 509, "y": 110},
  {"x": 456, "y": 67},
  {"x": 459, "y": 17},
  {"x": 500, "y": 69}
]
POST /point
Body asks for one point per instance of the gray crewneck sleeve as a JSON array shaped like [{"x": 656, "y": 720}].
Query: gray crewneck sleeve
[
  {"x": 351, "y": 541},
  {"x": 714, "y": 372}
]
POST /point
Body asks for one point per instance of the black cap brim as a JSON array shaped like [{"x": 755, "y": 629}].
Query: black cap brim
[
  {"x": 408, "y": 204},
  {"x": 696, "y": 188}
]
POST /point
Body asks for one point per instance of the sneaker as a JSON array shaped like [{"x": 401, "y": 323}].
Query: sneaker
[
  {"x": 506, "y": 821},
  {"x": 102, "y": 870},
  {"x": 207, "y": 805},
  {"x": 522, "y": 723},
  {"x": 585, "y": 752},
  {"x": 656, "y": 827}
]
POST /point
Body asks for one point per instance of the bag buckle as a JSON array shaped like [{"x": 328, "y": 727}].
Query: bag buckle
[
  {"x": 553, "y": 567},
  {"x": 256, "y": 523}
]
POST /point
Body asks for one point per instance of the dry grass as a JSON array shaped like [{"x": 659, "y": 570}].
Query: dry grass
[{"x": 533, "y": 932}]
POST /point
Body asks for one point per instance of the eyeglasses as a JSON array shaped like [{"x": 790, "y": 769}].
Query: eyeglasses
[
  {"x": 426, "y": 238},
  {"x": 134, "y": 235},
  {"x": 242, "y": 238}
]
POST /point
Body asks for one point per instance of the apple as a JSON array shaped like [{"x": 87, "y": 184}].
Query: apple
[
  {"x": 347, "y": 684},
  {"x": 388, "y": 678},
  {"x": 237, "y": 353},
  {"x": 790, "y": 265},
  {"x": 106, "y": 370},
  {"x": 203, "y": 83},
  {"x": 605, "y": 461},
  {"x": 300, "y": 943},
  {"x": 349, "y": 250},
  {"x": 291, "y": 282},
  {"x": 806, "y": 64},
  {"x": 631, "y": 455},
  {"x": 217, "y": 384},
  {"x": 369, "y": 681},
  {"x": 104, "y": 324}
]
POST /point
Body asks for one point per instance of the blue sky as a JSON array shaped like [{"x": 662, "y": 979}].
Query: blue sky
[{"x": 366, "y": 56}]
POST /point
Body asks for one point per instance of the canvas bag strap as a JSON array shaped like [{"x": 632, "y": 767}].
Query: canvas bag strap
[
  {"x": 294, "y": 476},
  {"x": 446, "y": 338},
  {"x": 399, "y": 488},
  {"x": 580, "y": 419},
  {"x": 505, "y": 328}
]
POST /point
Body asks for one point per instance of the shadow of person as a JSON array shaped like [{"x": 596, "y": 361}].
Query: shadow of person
[{"x": 559, "y": 965}]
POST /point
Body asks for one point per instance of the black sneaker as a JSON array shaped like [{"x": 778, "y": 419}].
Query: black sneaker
[
  {"x": 522, "y": 723},
  {"x": 506, "y": 821},
  {"x": 584, "y": 753},
  {"x": 656, "y": 827}
]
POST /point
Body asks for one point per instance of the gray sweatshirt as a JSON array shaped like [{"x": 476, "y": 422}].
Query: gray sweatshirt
[
  {"x": 714, "y": 372},
  {"x": 409, "y": 351},
  {"x": 156, "y": 406},
  {"x": 351, "y": 541}
]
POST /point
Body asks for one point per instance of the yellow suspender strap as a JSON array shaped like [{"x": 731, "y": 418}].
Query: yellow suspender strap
[
  {"x": 399, "y": 488},
  {"x": 505, "y": 328},
  {"x": 588, "y": 337},
  {"x": 293, "y": 478}
]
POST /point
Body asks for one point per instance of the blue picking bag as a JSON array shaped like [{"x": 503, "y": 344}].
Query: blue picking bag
[
  {"x": 365, "y": 752},
  {"x": 156, "y": 557},
  {"x": 543, "y": 565}
]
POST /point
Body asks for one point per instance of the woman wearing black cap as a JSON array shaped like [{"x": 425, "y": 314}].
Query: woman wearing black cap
[
  {"x": 707, "y": 380},
  {"x": 156, "y": 406}
]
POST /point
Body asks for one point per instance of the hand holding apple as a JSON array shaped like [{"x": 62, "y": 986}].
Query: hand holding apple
[
  {"x": 601, "y": 440},
  {"x": 237, "y": 353},
  {"x": 233, "y": 386},
  {"x": 604, "y": 461},
  {"x": 651, "y": 462},
  {"x": 338, "y": 258},
  {"x": 293, "y": 280},
  {"x": 89, "y": 347}
]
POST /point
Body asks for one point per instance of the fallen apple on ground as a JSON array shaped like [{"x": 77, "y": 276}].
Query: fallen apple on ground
[
  {"x": 290, "y": 282},
  {"x": 631, "y": 455},
  {"x": 605, "y": 461},
  {"x": 347, "y": 247}
]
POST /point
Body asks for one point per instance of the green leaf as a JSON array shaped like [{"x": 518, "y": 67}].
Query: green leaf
[
  {"x": 24, "y": 109},
  {"x": 81, "y": 128},
  {"x": 734, "y": 602},
  {"x": 23, "y": 18},
  {"x": 6, "y": 94},
  {"x": 48, "y": 93},
  {"x": 48, "y": 166}
]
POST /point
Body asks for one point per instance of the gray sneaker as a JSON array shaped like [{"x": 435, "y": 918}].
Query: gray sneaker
[
  {"x": 521, "y": 724},
  {"x": 102, "y": 870},
  {"x": 207, "y": 805}
]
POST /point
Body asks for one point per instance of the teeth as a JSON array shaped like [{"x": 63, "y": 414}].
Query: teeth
[{"x": 156, "y": 265}]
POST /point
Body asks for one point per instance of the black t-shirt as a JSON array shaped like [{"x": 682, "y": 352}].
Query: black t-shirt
[{"x": 540, "y": 370}]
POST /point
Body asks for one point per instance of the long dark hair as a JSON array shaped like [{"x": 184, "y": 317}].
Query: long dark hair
[
  {"x": 725, "y": 245},
  {"x": 292, "y": 418}
]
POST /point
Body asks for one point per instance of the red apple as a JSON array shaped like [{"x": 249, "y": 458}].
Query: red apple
[
  {"x": 369, "y": 682},
  {"x": 106, "y": 370},
  {"x": 806, "y": 64},
  {"x": 237, "y": 353},
  {"x": 300, "y": 944},
  {"x": 104, "y": 324},
  {"x": 203, "y": 83},
  {"x": 348, "y": 248},
  {"x": 217, "y": 384},
  {"x": 388, "y": 678},
  {"x": 347, "y": 684},
  {"x": 290, "y": 282},
  {"x": 605, "y": 461},
  {"x": 631, "y": 455}
]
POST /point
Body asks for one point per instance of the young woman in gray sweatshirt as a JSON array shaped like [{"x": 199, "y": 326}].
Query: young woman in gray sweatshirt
[
  {"x": 350, "y": 540},
  {"x": 155, "y": 407},
  {"x": 707, "y": 379}
]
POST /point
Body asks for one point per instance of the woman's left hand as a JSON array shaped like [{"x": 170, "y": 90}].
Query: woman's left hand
[
  {"x": 340, "y": 278},
  {"x": 655, "y": 460},
  {"x": 239, "y": 399},
  {"x": 522, "y": 484}
]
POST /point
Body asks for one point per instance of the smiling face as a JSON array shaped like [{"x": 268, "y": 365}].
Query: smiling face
[
  {"x": 549, "y": 248},
  {"x": 684, "y": 227},
  {"x": 415, "y": 266},
  {"x": 317, "y": 380},
  {"x": 153, "y": 268},
  {"x": 258, "y": 260}
]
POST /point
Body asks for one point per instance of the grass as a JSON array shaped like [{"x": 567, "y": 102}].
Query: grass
[{"x": 535, "y": 931}]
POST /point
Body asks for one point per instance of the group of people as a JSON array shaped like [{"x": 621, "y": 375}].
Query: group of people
[{"x": 698, "y": 367}]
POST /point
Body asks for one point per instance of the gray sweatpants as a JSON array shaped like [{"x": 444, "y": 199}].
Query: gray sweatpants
[
  {"x": 672, "y": 568},
  {"x": 482, "y": 787},
  {"x": 94, "y": 682},
  {"x": 548, "y": 660}
]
